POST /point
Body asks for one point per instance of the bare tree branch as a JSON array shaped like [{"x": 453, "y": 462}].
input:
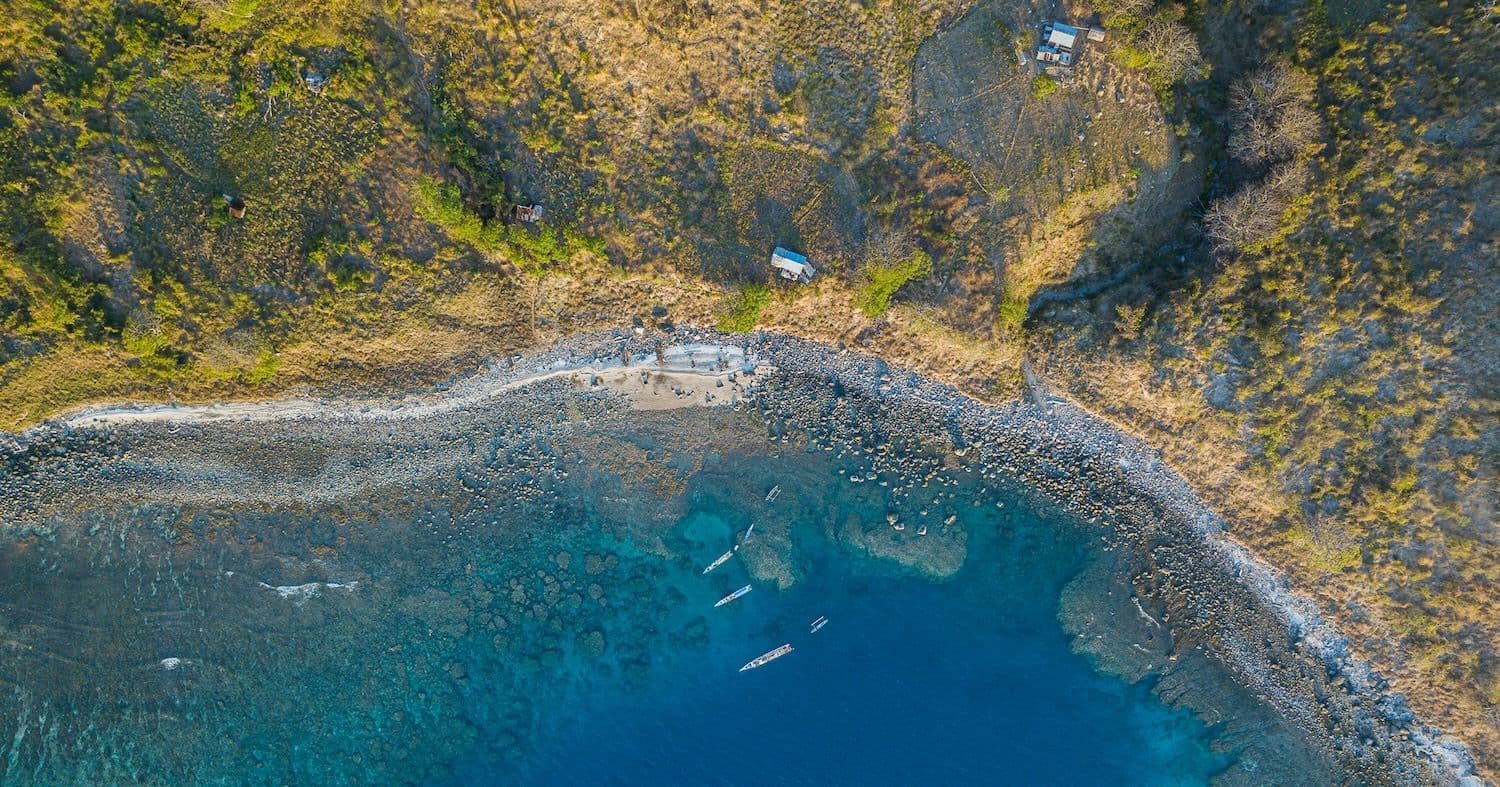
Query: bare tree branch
[
  {"x": 1172, "y": 46},
  {"x": 1254, "y": 212},
  {"x": 1271, "y": 116}
]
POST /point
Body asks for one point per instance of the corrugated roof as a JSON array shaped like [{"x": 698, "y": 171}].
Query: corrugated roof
[{"x": 788, "y": 255}]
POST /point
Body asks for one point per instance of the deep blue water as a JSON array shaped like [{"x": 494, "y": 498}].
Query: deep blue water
[{"x": 965, "y": 681}]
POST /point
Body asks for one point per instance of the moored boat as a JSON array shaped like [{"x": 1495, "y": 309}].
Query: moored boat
[
  {"x": 773, "y": 494},
  {"x": 721, "y": 560},
  {"x": 818, "y": 624},
  {"x": 767, "y": 657},
  {"x": 732, "y": 596}
]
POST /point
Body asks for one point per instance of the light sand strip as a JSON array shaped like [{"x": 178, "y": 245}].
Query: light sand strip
[{"x": 682, "y": 375}]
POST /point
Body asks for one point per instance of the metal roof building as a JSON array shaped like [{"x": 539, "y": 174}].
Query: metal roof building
[
  {"x": 1058, "y": 42},
  {"x": 791, "y": 265},
  {"x": 1061, "y": 36}
]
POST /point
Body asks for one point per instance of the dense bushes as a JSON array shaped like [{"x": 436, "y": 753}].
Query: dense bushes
[
  {"x": 1154, "y": 40},
  {"x": 531, "y": 249},
  {"x": 881, "y": 282}
]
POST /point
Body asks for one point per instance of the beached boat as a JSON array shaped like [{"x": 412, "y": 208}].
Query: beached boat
[
  {"x": 818, "y": 624},
  {"x": 732, "y": 596},
  {"x": 721, "y": 560},
  {"x": 768, "y": 656}
]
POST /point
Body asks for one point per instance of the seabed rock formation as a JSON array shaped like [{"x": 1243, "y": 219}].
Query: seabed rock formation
[{"x": 1167, "y": 596}]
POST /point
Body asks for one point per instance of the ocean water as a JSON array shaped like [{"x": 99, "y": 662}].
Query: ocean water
[
  {"x": 534, "y": 612},
  {"x": 966, "y": 681}
]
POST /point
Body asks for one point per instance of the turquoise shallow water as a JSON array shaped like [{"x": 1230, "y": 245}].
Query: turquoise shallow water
[{"x": 535, "y": 614}]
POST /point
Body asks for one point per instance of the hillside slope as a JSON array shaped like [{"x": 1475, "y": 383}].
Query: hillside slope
[{"x": 1260, "y": 234}]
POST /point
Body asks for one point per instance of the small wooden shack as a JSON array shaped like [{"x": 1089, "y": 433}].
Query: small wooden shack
[
  {"x": 791, "y": 266},
  {"x": 527, "y": 214}
]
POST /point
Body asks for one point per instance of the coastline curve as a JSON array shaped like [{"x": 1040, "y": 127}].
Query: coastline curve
[{"x": 1217, "y": 599}]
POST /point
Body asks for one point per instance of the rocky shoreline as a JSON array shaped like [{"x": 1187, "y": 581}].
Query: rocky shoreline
[
  {"x": 1222, "y": 607},
  {"x": 1215, "y": 596}
]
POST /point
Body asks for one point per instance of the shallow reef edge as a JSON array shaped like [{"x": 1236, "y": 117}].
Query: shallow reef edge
[{"x": 1187, "y": 575}]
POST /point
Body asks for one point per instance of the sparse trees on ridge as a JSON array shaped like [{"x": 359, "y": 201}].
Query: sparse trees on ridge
[
  {"x": 1270, "y": 115},
  {"x": 1272, "y": 124}
]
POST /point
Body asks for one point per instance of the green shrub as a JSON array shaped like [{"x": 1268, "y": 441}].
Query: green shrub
[
  {"x": 265, "y": 368},
  {"x": 881, "y": 283},
  {"x": 1127, "y": 56},
  {"x": 532, "y": 249},
  {"x": 1012, "y": 312},
  {"x": 1043, "y": 86},
  {"x": 441, "y": 204},
  {"x": 744, "y": 311}
]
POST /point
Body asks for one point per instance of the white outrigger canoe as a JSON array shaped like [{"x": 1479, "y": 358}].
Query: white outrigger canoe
[
  {"x": 732, "y": 596},
  {"x": 721, "y": 560},
  {"x": 767, "y": 657}
]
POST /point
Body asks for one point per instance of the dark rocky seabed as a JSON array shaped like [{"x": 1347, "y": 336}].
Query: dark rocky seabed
[{"x": 511, "y": 593}]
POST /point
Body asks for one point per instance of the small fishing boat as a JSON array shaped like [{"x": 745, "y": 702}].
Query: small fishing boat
[
  {"x": 773, "y": 494},
  {"x": 767, "y": 657},
  {"x": 818, "y": 624},
  {"x": 732, "y": 596},
  {"x": 719, "y": 561}
]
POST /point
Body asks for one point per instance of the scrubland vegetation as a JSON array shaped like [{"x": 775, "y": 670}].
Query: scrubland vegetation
[
  {"x": 882, "y": 282},
  {"x": 744, "y": 310},
  {"x": 1315, "y": 358},
  {"x": 1261, "y": 235}
]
